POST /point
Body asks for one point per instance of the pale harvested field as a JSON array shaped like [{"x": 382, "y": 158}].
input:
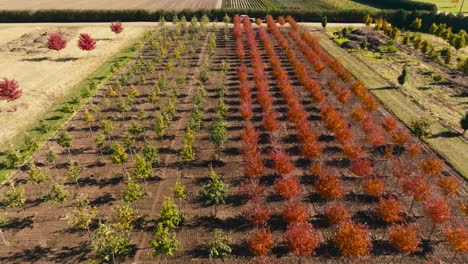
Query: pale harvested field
[
  {"x": 110, "y": 4},
  {"x": 45, "y": 80}
]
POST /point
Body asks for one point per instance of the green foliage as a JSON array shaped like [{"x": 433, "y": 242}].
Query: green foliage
[
  {"x": 169, "y": 216},
  {"x": 464, "y": 122},
  {"x": 45, "y": 127},
  {"x": 203, "y": 76},
  {"x": 123, "y": 216},
  {"x": 219, "y": 247},
  {"x": 215, "y": 190},
  {"x": 14, "y": 196},
  {"x": 82, "y": 216},
  {"x": 420, "y": 127},
  {"x": 36, "y": 175},
  {"x": 221, "y": 109},
  {"x": 163, "y": 242},
  {"x": 142, "y": 168},
  {"x": 132, "y": 192},
  {"x": 160, "y": 125},
  {"x": 136, "y": 129},
  {"x": 324, "y": 21},
  {"x": 150, "y": 153},
  {"x": 30, "y": 143},
  {"x": 178, "y": 190},
  {"x": 64, "y": 139},
  {"x": 107, "y": 127},
  {"x": 416, "y": 24},
  {"x": 73, "y": 171},
  {"x": 448, "y": 56},
  {"x": 58, "y": 194},
  {"x": 403, "y": 76},
  {"x": 187, "y": 153},
  {"x": 118, "y": 155},
  {"x": 110, "y": 243},
  {"x": 99, "y": 140},
  {"x": 195, "y": 119},
  {"x": 13, "y": 158},
  {"x": 51, "y": 156},
  {"x": 218, "y": 132}
]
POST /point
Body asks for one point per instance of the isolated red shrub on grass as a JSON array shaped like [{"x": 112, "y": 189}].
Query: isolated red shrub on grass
[
  {"x": 390, "y": 210},
  {"x": 86, "y": 42},
  {"x": 405, "y": 238},
  {"x": 117, "y": 27},
  {"x": 261, "y": 242},
  {"x": 353, "y": 240},
  {"x": 337, "y": 214},
  {"x": 288, "y": 187},
  {"x": 302, "y": 239},
  {"x": 56, "y": 42},
  {"x": 295, "y": 213},
  {"x": 9, "y": 90}
]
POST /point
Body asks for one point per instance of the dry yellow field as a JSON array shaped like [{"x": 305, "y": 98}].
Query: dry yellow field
[
  {"x": 109, "y": 4},
  {"x": 46, "y": 77}
]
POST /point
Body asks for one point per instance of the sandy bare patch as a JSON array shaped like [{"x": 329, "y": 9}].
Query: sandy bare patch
[{"x": 47, "y": 77}]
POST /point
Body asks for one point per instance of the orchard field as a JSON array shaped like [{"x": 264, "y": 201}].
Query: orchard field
[{"x": 244, "y": 142}]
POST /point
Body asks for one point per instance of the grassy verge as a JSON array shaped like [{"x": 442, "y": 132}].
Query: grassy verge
[
  {"x": 56, "y": 116},
  {"x": 444, "y": 142}
]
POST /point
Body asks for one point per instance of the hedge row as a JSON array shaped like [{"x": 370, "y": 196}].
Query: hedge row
[
  {"x": 399, "y": 4},
  {"x": 398, "y": 18}
]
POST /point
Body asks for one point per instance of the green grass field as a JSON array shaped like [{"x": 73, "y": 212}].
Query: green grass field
[
  {"x": 320, "y": 4},
  {"x": 448, "y": 5}
]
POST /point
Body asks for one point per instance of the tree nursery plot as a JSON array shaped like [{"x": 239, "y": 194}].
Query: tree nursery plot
[
  {"x": 247, "y": 144},
  {"x": 109, "y": 4}
]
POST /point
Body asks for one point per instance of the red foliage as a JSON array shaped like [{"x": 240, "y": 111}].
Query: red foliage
[
  {"x": 253, "y": 190},
  {"x": 56, "y": 42},
  {"x": 9, "y": 90},
  {"x": 86, "y": 42},
  {"x": 463, "y": 206},
  {"x": 389, "y": 123},
  {"x": 302, "y": 239},
  {"x": 316, "y": 169},
  {"x": 352, "y": 151},
  {"x": 281, "y": 20},
  {"x": 283, "y": 164},
  {"x": 288, "y": 187},
  {"x": 373, "y": 187},
  {"x": 390, "y": 210},
  {"x": 246, "y": 111},
  {"x": 311, "y": 150},
  {"x": 437, "y": 209},
  {"x": 401, "y": 168},
  {"x": 414, "y": 150},
  {"x": 242, "y": 73},
  {"x": 253, "y": 165},
  {"x": 245, "y": 94},
  {"x": 329, "y": 186},
  {"x": 400, "y": 137},
  {"x": 116, "y": 27},
  {"x": 362, "y": 167},
  {"x": 404, "y": 238},
  {"x": 432, "y": 166},
  {"x": 269, "y": 122},
  {"x": 257, "y": 214},
  {"x": 249, "y": 134},
  {"x": 449, "y": 185},
  {"x": 358, "y": 114},
  {"x": 337, "y": 214},
  {"x": 376, "y": 139},
  {"x": 343, "y": 96},
  {"x": 417, "y": 186},
  {"x": 261, "y": 242},
  {"x": 457, "y": 238},
  {"x": 240, "y": 49},
  {"x": 295, "y": 213},
  {"x": 353, "y": 239}
]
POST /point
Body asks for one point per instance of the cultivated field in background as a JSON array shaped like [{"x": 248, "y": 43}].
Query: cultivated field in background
[{"x": 109, "y": 4}]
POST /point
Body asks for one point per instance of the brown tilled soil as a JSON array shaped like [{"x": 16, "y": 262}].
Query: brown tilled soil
[{"x": 41, "y": 236}]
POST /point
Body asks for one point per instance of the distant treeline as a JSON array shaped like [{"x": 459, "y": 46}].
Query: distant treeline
[
  {"x": 399, "y": 18},
  {"x": 399, "y": 4}
]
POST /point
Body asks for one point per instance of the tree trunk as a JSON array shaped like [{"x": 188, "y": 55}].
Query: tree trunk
[
  {"x": 411, "y": 207},
  {"x": 454, "y": 256},
  {"x": 432, "y": 231},
  {"x": 401, "y": 259},
  {"x": 3, "y": 237}
]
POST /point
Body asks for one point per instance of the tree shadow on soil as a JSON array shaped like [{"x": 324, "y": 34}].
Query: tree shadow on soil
[
  {"x": 103, "y": 199},
  {"x": 370, "y": 218},
  {"x": 360, "y": 198},
  {"x": 236, "y": 223},
  {"x": 27, "y": 255},
  {"x": 38, "y": 59},
  {"x": 445, "y": 134},
  {"x": 382, "y": 247},
  {"x": 78, "y": 253},
  {"x": 18, "y": 223},
  {"x": 328, "y": 250}
]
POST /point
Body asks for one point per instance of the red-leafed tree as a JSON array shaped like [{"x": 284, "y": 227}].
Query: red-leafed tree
[
  {"x": 261, "y": 242},
  {"x": 352, "y": 151},
  {"x": 270, "y": 123},
  {"x": 438, "y": 210},
  {"x": 390, "y": 210},
  {"x": 337, "y": 214},
  {"x": 295, "y": 213},
  {"x": 311, "y": 150},
  {"x": 362, "y": 167},
  {"x": 316, "y": 169},
  {"x": 56, "y": 42},
  {"x": 358, "y": 114},
  {"x": 302, "y": 239},
  {"x": 432, "y": 166},
  {"x": 373, "y": 187},
  {"x": 353, "y": 240},
  {"x": 117, "y": 27},
  {"x": 288, "y": 187},
  {"x": 257, "y": 214},
  {"x": 400, "y": 137},
  {"x": 281, "y": 20},
  {"x": 86, "y": 42},
  {"x": 457, "y": 238},
  {"x": 389, "y": 123},
  {"x": 9, "y": 90},
  {"x": 246, "y": 111},
  {"x": 405, "y": 239},
  {"x": 329, "y": 186},
  {"x": 448, "y": 185},
  {"x": 282, "y": 163},
  {"x": 400, "y": 169},
  {"x": 416, "y": 186},
  {"x": 414, "y": 150}
]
